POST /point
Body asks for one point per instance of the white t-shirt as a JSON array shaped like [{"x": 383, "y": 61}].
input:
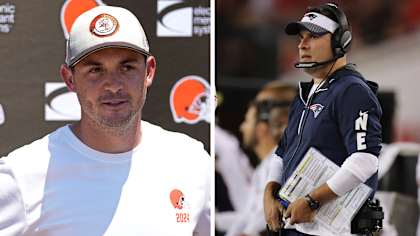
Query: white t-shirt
[
  {"x": 250, "y": 219},
  {"x": 59, "y": 186},
  {"x": 234, "y": 166}
]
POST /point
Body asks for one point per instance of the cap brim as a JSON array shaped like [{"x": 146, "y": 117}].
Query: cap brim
[
  {"x": 99, "y": 47},
  {"x": 295, "y": 27}
]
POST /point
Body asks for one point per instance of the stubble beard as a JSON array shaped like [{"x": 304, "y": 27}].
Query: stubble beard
[{"x": 116, "y": 126}]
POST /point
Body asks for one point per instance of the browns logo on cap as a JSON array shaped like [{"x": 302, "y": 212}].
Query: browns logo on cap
[{"x": 103, "y": 25}]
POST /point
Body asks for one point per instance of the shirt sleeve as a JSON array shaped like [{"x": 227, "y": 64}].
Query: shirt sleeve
[
  {"x": 275, "y": 169},
  {"x": 12, "y": 211},
  {"x": 356, "y": 169},
  {"x": 358, "y": 114}
]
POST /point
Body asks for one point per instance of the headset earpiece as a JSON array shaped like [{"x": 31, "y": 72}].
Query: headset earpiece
[{"x": 341, "y": 39}]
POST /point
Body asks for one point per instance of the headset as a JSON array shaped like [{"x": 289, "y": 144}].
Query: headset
[
  {"x": 341, "y": 38},
  {"x": 265, "y": 112},
  {"x": 264, "y": 108}
]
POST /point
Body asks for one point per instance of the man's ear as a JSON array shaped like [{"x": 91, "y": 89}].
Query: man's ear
[
  {"x": 150, "y": 70},
  {"x": 67, "y": 76}
]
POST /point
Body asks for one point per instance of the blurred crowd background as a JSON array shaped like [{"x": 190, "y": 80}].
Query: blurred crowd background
[
  {"x": 251, "y": 42},
  {"x": 252, "y": 49}
]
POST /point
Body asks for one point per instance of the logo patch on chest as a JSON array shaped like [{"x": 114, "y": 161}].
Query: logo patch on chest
[
  {"x": 316, "y": 108},
  {"x": 178, "y": 201}
]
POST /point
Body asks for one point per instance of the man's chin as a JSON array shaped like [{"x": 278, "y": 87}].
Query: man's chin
[
  {"x": 113, "y": 121},
  {"x": 316, "y": 69},
  {"x": 116, "y": 122}
]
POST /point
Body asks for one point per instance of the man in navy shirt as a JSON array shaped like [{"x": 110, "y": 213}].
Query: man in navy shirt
[{"x": 337, "y": 113}]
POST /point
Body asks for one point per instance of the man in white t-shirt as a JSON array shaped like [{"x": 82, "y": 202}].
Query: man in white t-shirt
[{"x": 110, "y": 173}]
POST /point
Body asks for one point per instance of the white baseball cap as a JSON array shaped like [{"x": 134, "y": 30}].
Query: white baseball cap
[
  {"x": 104, "y": 27},
  {"x": 314, "y": 22}
]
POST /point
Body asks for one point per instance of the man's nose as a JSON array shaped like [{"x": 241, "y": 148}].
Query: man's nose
[
  {"x": 303, "y": 43},
  {"x": 113, "y": 82}
]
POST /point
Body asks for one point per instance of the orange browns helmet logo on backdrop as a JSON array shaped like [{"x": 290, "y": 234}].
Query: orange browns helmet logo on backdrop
[
  {"x": 72, "y": 9},
  {"x": 190, "y": 100},
  {"x": 177, "y": 199}
]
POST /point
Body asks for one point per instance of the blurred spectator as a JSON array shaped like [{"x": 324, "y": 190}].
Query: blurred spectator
[
  {"x": 261, "y": 130},
  {"x": 234, "y": 167}
]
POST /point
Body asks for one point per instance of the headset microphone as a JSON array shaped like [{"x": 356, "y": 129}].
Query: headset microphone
[{"x": 314, "y": 64}]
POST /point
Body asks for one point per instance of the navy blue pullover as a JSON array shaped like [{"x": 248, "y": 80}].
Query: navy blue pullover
[{"x": 341, "y": 118}]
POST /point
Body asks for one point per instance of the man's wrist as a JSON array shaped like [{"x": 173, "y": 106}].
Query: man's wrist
[
  {"x": 312, "y": 203},
  {"x": 276, "y": 190},
  {"x": 271, "y": 188},
  {"x": 323, "y": 194}
]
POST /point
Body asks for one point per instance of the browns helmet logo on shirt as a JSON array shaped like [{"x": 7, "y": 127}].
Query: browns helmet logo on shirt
[
  {"x": 190, "y": 100},
  {"x": 177, "y": 199},
  {"x": 72, "y": 9}
]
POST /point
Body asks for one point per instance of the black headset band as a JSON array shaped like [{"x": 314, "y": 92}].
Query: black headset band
[
  {"x": 341, "y": 39},
  {"x": 339, "y": 15},
  {"x": 264, "y": 107}
]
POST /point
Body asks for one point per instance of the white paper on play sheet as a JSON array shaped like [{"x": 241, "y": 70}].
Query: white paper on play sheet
[{"x": 334, "y": 217}]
